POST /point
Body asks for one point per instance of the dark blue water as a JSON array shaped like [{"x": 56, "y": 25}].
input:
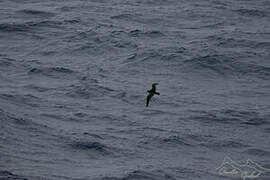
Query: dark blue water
[{"x": 74, "y": 76}]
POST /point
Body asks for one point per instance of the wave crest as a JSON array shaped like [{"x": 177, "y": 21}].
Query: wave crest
[{"x": 56, "y": 72}]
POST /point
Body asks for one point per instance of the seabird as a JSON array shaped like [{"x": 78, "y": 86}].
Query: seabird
[{"x": 151, "y": 93}]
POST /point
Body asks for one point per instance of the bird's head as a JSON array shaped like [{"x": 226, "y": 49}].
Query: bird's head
[{"x": 154, "y": 84}]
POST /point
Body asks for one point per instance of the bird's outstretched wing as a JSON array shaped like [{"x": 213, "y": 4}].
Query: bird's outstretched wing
[{"x": 148, "y": 99}]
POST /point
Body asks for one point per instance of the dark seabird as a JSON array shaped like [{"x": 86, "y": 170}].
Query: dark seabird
[{"x": 151, "y": 93}]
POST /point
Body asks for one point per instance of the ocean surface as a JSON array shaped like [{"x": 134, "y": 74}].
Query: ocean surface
[{"x": 74, "y": 76}]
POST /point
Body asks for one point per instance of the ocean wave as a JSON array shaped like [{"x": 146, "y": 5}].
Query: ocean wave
[
  {"x": 267, "y": 130},
  {"x": 136, "y": 18},
  {"x": 256, "y": 121},
  {"x": 198, "y": 138},
  {"x": 225, "y": 66},
  {"x": 121, "y": 43},
  {"x": 251, "y": 12},
  {"x": 13, "y": 27},
  {"x": 96, "y": 44},
  {"x": 124, "y": 16},
  {"x": 79, "y": 91},
  {"x": 6, "y": 175},
  {"x": 67, "y": 8},
  {"x": 155, "y": 2},
  {"x": 26, "y": 99},
  {"x": 37, "y": 88},
  {"x": 17, "y": 121},
  {"x": 171, "y": 141},
  {"x": 219, "y": 64},
  {"x": 89, "y": 90},
  {"x": 96, "y": 136},
  {"x": 257, "y": 152},
  {"x": 65, "y": 118},
  {"x": 20, "y": 121},
  {"x": 239, "y": 42},
  {"x": 262, "y": 45},
  {"x": 157, "y": 58},
  {"x": 209, "y": 141},
  {"x": 92, "y": 147},
  {"x": 176, "y": 140},
  {"x": 151, "y": 34},
  {"x": 231, "y": 116},
  {"x": 35, "y": 13},
  {"x": 223, "y": 144},
  {"x": 142, "y": 175},
  {"x": 55, "y": 72},
  {"x": 28, "y": 26},
  {"x": 7, "y": 62}
]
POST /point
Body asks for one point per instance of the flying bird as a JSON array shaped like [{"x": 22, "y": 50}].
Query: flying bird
[{"x": 151, "y": 93}]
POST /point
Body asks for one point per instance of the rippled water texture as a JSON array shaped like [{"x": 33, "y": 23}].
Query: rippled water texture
[{"x": 74, "y": 76}]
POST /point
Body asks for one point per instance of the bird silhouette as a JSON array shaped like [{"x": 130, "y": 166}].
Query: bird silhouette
[{"x": 151, "y": 92}]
